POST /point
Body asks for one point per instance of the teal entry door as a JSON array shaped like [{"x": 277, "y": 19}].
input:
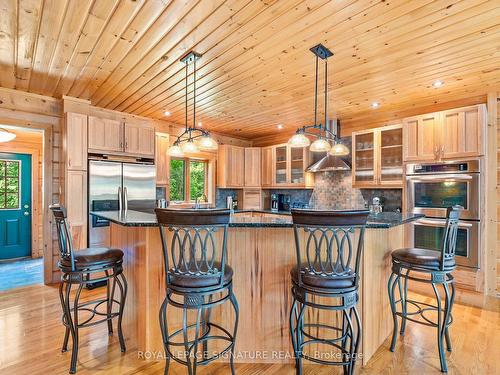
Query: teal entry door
[{"x": 15, "y": 205}]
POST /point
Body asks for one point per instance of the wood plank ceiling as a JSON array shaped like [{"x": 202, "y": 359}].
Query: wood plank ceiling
[{"x": 256, "y": 71}]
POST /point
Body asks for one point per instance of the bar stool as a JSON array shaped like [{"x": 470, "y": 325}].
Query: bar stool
[
  {"x": 326, "y": 277},
  {"x": 197, "y": 279},
  {"x": 433, "y": 268},
  {"x": 80, "y": 268}
]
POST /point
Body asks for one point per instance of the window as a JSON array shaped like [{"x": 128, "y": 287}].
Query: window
[
  {"x": 188, "y": 177},
  {"x": 9, "y": 184}
]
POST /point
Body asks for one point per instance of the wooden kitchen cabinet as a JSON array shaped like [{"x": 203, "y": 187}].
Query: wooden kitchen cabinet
[
  {"x": 231, "y": 166},
  {"x": 288, "y": 167},
  {"x": 75, "y": 198},
  {"x": 252, "y": 199},
  {"x": 75, "y": 141},
  {"x": 139, "y": 139},
  {"x": 267, "y": 167},
  {"x": 122, "y": 138},
  {"x": 452, "y": 134},
  {"x": 252, "y": 167},
  {"x": 105, "y": 135},
  {"x": 421, "y": 137},
  {"x": 162, "y": 160},
  {"x": 377, "y": 160},
  {"x": 462, "y": 132}
]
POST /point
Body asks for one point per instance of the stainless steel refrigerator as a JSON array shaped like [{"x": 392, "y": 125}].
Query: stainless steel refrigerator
[{"x": 118, "y": 184}]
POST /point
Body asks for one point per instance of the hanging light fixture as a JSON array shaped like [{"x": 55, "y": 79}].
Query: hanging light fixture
[
  {"x": 6, "y": 136},
  {"x": 325, "y": 136},
  {"x": 192, "y": 139}
]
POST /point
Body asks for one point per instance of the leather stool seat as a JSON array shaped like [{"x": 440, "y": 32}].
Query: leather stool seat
[
  {"x": 202, "y": 281},
  {"x": 425, "y": 258},
  {"x": 93, "y": 257},
  {"x": 323, "y": 282}
]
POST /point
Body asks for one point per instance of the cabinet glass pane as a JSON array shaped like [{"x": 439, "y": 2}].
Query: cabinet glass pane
[
  {"x": 297, "y": 164},
  {"x": 391, "y": 155},
  {"x": 281, "y": 165},
  {"x": 364, "y": 158}
]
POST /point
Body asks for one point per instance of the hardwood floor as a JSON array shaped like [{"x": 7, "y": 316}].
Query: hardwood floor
[{"x": 31, "y": 334}]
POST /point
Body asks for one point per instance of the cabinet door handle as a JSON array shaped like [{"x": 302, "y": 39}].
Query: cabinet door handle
[
  {"x": 69, "y": 162},
  {"x": 442, "y": 151}
]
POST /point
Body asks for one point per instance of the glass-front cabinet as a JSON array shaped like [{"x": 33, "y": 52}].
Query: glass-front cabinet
[
  {"x": 289, "y": 165},
  {"x": 378, "y": 157}
]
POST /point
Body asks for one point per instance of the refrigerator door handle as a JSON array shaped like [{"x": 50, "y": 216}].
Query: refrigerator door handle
[
  {"x": 125, "y": 198},
  {"x": 120, "y": 198}
]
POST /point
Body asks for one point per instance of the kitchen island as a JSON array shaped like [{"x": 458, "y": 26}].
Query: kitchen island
[{"x": 261, "y": 251}]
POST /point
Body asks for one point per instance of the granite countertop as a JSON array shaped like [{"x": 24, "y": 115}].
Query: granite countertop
[{"x": 142, "y": 219}]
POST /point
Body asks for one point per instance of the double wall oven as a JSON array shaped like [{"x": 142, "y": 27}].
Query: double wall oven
[{"x": 431, "y": 188}]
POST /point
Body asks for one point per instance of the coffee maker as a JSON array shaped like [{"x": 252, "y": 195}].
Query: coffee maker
[
  {"x": 274, "y": 202},
  {"x": 284, "y": 202}
]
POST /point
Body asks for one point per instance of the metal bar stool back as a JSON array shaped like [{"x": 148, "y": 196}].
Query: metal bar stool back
[
  {"x": 328, "y": 248},
  {"x": 81, "y": 268},
  {"x": 197, "y": 278},
  {"x": 431, "y": 267}
]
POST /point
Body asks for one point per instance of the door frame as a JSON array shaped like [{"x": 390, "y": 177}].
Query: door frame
[
  {"x": 49, "y": 125},
  {"x": 36, "y": 205}
]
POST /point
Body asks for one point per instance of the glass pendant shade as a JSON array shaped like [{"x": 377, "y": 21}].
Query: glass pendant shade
[
  {"x": 339, "y": 149},
  {"x": 189, "y": 147},
  {"x": 6, "y": 136},
  {"x": 299, "y": 140},
  {"x": 206, "y": 142},
  {"x": 320, "y": 145},
  {"x": 175, "y": 151}
]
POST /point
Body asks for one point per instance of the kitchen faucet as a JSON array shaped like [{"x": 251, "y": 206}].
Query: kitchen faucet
[{"x": 198, "y": 200}]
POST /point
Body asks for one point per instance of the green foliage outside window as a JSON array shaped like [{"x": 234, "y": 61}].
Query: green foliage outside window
[
  {"x": 177, "y": 180},
  {"x": 197, "y": 179},
  {"x": 9, "y": 184}
]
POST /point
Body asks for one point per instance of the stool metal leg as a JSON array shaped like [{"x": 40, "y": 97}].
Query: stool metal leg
[
  {"x": 448, "y": 320},
  {"x": 393, "y": 280},
  {"x": 164, "y": 332},
  {"x": 440, "y": 330},
  {"x": 234, "y": 302},
  {"x": 186, "y": 338},
  {"x": 293, "y": 319},
  {"x": 122, "y": 285},
  {"x": 358, "y": 337},
  {"x": 110, "y": 292},
  {"x": 300, "y": 337},
  {"x": 404, "y": 304},
  {"x": 74, "y": 351},
  {"x": 65, "y": 315}
]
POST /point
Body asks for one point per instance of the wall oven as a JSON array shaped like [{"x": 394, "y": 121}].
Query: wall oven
[{"x": 433, "y": 187}]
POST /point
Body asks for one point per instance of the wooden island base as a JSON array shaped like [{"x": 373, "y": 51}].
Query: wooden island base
[{"x": 261, "y": 258}]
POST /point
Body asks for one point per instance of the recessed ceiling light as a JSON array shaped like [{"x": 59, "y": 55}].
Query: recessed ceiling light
[
  {"x": 280, "y": 126},
  {"x": 375, "y": 105},
  {"x": 438, "y": 83},
  {"x": 167, "y": 113},
  {"x": 200, "y": 124}
]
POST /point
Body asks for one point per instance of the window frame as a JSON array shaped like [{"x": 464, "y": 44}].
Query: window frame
[{"x": 187, "y": 178}]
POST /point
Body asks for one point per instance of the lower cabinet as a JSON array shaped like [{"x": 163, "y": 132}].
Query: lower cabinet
[{"x": 75, "y": 201}]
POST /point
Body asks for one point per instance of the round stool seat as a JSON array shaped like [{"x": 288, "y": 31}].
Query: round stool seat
[
  {"x": 202, "y": 281},
  {"x": 93, "y": 257},
  {"x": 323, "y": 282},
  {"x": 422, "y": 257}
]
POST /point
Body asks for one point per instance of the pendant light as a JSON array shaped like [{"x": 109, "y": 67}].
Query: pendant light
[
  {"x": 6, "y": 136},
  {"x": 325, "y": 137},
  {"x": 193, "y": 139}
]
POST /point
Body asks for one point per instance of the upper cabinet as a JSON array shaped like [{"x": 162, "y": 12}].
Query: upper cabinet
[
  {"x": 451, "y": 134},
  {"x": 75, "y": 137},
  {"x": 231, "y": 166},
  {"x": 162, "y": 159},
  {"x": 462, "y": 132},
  {"x": 377, "y": 159},
  {"x": 105, "y": 135},
  {"x": 139, "y": 139},
  {"x": 252, "y": 167},
  {"x": 267, "y": 166},
  {"x": 113, "y": 136},
  {"x": 288, "y": 167}
]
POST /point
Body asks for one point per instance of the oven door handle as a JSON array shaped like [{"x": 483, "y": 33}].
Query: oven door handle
[
  {"x": 447, "y": 177},
  {"x": 441, "y": 223}
]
